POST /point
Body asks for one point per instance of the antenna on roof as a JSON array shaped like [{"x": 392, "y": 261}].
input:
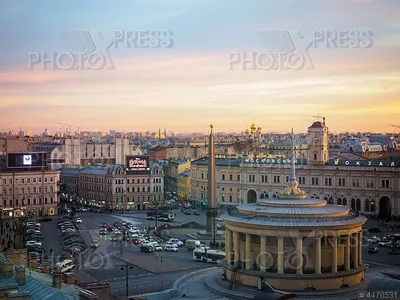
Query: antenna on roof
[{"x": 318, "y": 116}]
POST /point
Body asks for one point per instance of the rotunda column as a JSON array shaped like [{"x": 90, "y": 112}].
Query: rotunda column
[
  {"x": 360, "y": 244},
  {"x": 247, "y": 253},
  {"x": 347, "y": 253},
  {"x": 236, "y": 247},
  {"x": 263, "y": 251},
  {"x": 354, "y": 247},
  {"x": 317, "y": 257},
  {"x": 334, "y": 254},
  {"x": 228, "y": 242},
  {"x": 299, "y": 249},
  {"x": 280, "y": 255}
]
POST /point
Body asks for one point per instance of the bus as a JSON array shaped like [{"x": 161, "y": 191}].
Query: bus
[
  {"x": 212, "y": 256},
  {"x": 64, "y": 266}
]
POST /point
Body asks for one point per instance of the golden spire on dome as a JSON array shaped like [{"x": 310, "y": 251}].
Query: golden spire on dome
[
  {"x": 211, "y": 127},
  {"x": 292, "y": 191}
]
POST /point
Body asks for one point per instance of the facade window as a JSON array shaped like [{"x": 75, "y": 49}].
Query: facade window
[
  {"x": 370, "y": 182},
  {"x": 238, "y": 177},
  {"x": 385, "y": 183},
  {"x": 277, "y": 179},
  {"x": 223, "y": 176},
  {"x": 223, "y": 197},
  {"x": 202, "y": 175},
  {"x": 355, "y": 182},
  {"x": 252, "y": 178},
  {"x": 314, "y": 181},
  {"x": 302, "y": 180},
  {"x": 328, "y": 181},
  {"x": 264, "y": 178},
  {"x": 315, "y": 155},
  {"x": 342, "y": 181},
  {"x": 201, "y": 196},
  {"x": 230, "y": 198},
  {"x": 231, "y": 177}
]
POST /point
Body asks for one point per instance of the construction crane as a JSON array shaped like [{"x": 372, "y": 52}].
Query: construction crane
[{"x": 69, "y": 126}]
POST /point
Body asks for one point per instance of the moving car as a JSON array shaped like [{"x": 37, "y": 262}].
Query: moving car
[
  {"x": 95, "y": 243},
  {"x": 373, "y": 250},
  {"x": 157, "y": 247},
  {"x": 78, "y": 220},
  {"x": 146, "y": 248},
  {"x": 171, "y": 248},
  {"x": 384, "y": 244},
  {"x": 196, "y": 213},
  {"x": 203, "y": 247},
  {"x": 176, "y": 241},
  {"x": 103, "y": 231},
  {"x": 373, "y": 240}
]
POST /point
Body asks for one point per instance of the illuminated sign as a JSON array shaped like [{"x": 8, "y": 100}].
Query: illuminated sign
[
  {"x": 26, "y": 160},
  {"x": 138, "y": 164},
  {"x": 274, "y": 161}
]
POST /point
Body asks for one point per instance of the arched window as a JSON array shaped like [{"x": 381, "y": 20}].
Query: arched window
[
  {"x": 344, "y": 202},
  {"x": 373, "y": 208},
  {"x": 358, "y": 204},
  {"x": 353, "y": 203},
  {"x": 339, "y": 201},
  {"x": 366, "y": 205},
  {"x": 230, "y": 198}
]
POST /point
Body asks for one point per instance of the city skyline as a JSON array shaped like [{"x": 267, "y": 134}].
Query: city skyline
[{"x": 190, "y": 84}]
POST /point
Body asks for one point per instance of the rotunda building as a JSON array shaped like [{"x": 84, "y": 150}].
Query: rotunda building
[{"x": 294, "y": 243}]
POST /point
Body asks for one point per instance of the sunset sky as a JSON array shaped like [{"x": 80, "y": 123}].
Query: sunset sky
[{"x": 189, "y": 85}]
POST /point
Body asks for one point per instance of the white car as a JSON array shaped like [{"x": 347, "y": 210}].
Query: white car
[
  {"x": 176, "y": 242},
  {"x": 68, "y": 230},
  {"x": 374, "y": 239},
  {"x": 157, "y": 247},
  {"x": 171, "y": 248},
  {"x": 33, "y": 243},
  {"x": 78, "y": 220},
  {"x": 203, "y": 247}
]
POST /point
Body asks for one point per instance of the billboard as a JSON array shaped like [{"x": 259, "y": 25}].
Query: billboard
[
  {"x": 138, "y": 164},
  {"x": 26, "y": 160}
]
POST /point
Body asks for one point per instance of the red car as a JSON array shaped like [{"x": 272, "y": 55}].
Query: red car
[{"x": 110, "y": 228}]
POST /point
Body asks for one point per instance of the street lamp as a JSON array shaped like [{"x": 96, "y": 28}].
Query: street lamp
[{"x": 128, "y": 266}]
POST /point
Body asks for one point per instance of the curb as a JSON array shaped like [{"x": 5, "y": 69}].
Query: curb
[
  {"x": 178, "y": 283},
  {"x": 381, "y": 265}
]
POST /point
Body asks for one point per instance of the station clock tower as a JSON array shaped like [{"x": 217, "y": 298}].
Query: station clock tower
[{"x": 318, "y": 151}]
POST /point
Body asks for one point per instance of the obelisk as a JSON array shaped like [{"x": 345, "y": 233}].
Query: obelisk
[{"x": 211, "y": 199}]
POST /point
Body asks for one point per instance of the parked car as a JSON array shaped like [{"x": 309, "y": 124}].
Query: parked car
[
  {"x": 373, "y": 250},
  {"x": 33, "y": 243}
]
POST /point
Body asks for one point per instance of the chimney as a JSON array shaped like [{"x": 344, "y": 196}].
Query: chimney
[
  {"x": 87, "y": 295},
  {"x": 20, "y": 275},
  {"x": 57, "y": 279}
]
